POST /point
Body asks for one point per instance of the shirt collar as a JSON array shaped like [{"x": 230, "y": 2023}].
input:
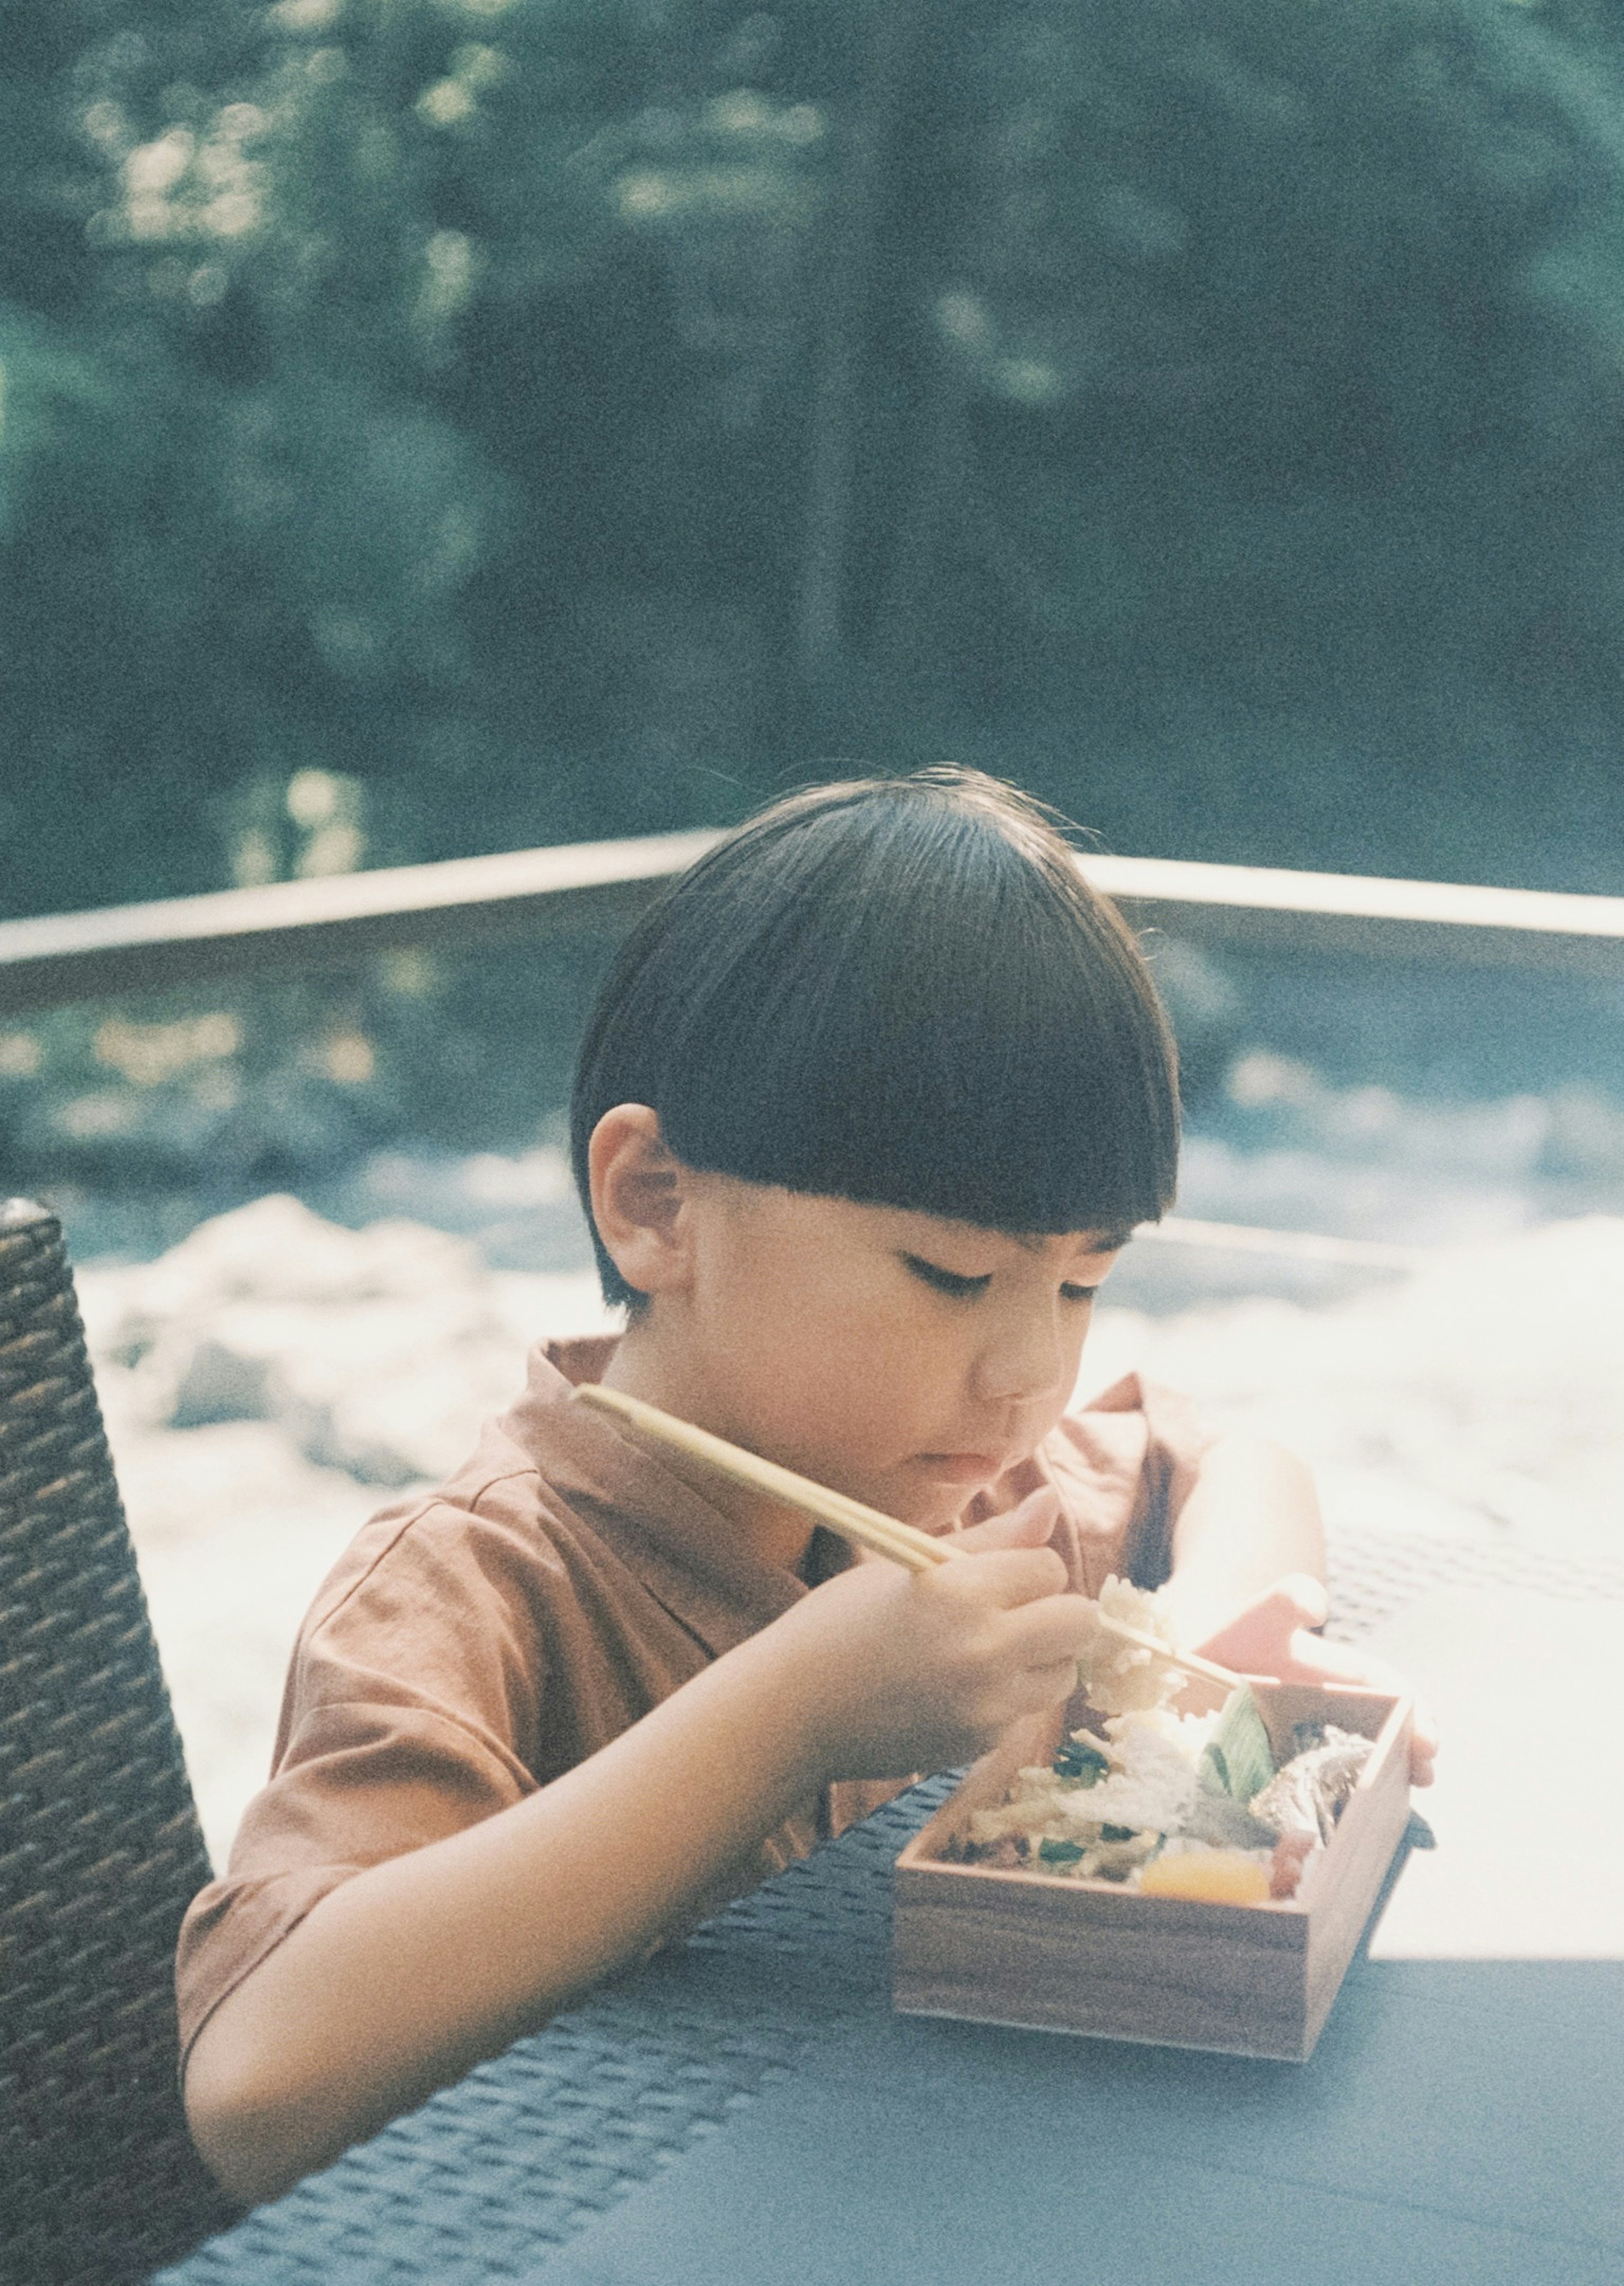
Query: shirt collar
[{"x": 685, "y": 1550}]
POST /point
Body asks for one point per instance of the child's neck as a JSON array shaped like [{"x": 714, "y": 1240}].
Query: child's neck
[{"x": 647, "y": 1366}]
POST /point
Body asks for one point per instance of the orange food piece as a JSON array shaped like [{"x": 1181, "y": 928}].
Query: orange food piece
[{"x": 1210, "y": 1877}]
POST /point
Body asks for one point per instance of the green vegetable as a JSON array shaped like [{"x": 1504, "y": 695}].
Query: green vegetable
[
  {"x": 1239, "y": 1759},
  {"x": 1117, "y": 1832},
  {"x": 1086, "y": 1764},
  {"x": 1060, "y": 1852}
]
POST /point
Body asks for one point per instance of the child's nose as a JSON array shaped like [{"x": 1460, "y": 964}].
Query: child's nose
[{"x": 1025, "y": 1361}]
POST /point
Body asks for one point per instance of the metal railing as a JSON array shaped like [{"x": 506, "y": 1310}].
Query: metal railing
[{"x": 289, "y": 926}]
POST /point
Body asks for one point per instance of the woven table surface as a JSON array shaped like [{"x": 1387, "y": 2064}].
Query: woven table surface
[{"x": 492, "y": 2177}]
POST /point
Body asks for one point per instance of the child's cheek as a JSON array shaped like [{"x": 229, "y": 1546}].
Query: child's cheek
[{"x": 847, "y": 1415}]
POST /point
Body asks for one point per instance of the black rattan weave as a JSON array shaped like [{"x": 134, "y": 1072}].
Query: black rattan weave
[{"x": 99, "y": 1844}]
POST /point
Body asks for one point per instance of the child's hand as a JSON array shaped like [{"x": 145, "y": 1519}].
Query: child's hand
[
  {"x": 1272, "y": 1636},
  {"x": 915, "y": 1671}
]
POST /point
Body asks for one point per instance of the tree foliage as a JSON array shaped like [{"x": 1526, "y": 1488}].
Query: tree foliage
[{"x": 542, "y": 418}]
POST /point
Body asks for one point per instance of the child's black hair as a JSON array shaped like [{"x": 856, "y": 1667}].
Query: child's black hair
[{"x": 901, "y": 991}]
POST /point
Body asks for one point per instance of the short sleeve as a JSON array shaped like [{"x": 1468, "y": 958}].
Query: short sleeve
[{"x": 412, "y": 1701}]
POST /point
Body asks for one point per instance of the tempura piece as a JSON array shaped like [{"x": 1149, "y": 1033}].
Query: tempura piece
[
  {"x": 1123, "y": 1678},
  {"x": 1101, "y": 1808}
]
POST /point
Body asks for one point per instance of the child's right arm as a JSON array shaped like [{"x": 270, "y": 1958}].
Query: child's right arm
[{"x": 408, "y": 1973}]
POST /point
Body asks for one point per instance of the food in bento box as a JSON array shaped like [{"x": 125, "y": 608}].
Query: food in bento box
[
  {"x": 1176, "y": 1805},
  {"x": 1128, "y": 1678}
]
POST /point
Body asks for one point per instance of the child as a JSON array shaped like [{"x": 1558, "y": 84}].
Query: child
[{"x": 870, "y": 1102}]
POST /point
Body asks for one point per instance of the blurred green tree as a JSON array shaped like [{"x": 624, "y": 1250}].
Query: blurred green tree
[{"x": 556, "y": 417}]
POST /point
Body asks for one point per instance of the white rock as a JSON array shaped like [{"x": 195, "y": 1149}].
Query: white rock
[{"x": 378, "y": 1352}]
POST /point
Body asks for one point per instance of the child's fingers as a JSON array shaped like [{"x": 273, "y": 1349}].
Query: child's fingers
[
  {"x": 1020, "y": 1682},
  {"x": 1314, "y": 1659},
  {"x": 1049, "y": 1630},
  {"x": 1008, "y": 1559},
  {"x": 1261, "y": 1639},
  {"x": 1038, "y": 1688},
  {"x": 1423, "y": 1746},
  {"x": 1273, "y": 1636},
  {"x": 1309, "y": 1598},
  {"x": 1031, "y": 1524},
  {"x": 1002, "y": 1577},
  {"x": 1346, "y": 1663}
]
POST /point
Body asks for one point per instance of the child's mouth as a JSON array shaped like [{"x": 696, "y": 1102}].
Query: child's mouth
[{"x": 960, "y": 1468}]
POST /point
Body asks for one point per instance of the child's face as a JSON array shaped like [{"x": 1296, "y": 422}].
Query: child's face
[{"x": 904, "y": 1359}]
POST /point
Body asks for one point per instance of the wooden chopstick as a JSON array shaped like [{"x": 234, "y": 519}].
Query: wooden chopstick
[
  {"x": 866, "y": 1528},
  {"x": 1191, "y": 1661},
  {"x": 885, "y": 1535}
]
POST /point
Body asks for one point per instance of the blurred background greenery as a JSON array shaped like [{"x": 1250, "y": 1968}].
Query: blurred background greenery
[
  {"x": 438, "y": 426},
  {"x": 541, "y": 419}
]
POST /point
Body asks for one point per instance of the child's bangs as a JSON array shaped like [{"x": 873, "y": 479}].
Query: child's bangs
[{"x": 927, "y": 1011}]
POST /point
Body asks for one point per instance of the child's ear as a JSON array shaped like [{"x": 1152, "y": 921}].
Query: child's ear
[{"x": 638, "y": 1190}]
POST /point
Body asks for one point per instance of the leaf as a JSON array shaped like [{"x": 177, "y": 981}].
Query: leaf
[{"x": 1238, "y": 1756}]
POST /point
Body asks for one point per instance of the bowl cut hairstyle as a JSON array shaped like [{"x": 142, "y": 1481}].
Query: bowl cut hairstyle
[{"x": 901, "y": 992}]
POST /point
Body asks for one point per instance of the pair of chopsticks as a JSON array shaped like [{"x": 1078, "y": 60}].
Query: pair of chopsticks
[{"x": 864, "y": 1528}]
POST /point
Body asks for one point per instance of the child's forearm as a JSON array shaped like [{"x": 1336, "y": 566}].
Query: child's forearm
[
  {"x": 410, "y": 1972},
  {"x": 1251, "y": 1516}
]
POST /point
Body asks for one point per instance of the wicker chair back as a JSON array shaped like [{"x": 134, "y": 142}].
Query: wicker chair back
[{"x": 100, "y": 1849}]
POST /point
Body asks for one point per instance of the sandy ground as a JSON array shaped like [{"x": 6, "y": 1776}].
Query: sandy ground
[{"x": 272, "y": 1379}]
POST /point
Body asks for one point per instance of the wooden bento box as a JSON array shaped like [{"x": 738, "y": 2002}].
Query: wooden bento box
[{"x": 1088, "y": 1956}]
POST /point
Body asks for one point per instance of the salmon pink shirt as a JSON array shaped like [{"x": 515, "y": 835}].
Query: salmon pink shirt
[{"x": 475, "y": 1641}]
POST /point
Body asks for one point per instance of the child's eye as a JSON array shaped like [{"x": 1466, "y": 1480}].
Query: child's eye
[
  {"x": 946, "y": 1281},
  {"x": 1078, "y": 1293}
]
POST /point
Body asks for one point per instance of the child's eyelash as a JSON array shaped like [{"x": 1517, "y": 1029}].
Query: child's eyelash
[
  {"x": 946, "y": 1281},
  {"x": 954, "y": 1282}
]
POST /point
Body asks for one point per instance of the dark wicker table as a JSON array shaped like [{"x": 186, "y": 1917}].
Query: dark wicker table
[{"x": 748, "y": 2109}]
